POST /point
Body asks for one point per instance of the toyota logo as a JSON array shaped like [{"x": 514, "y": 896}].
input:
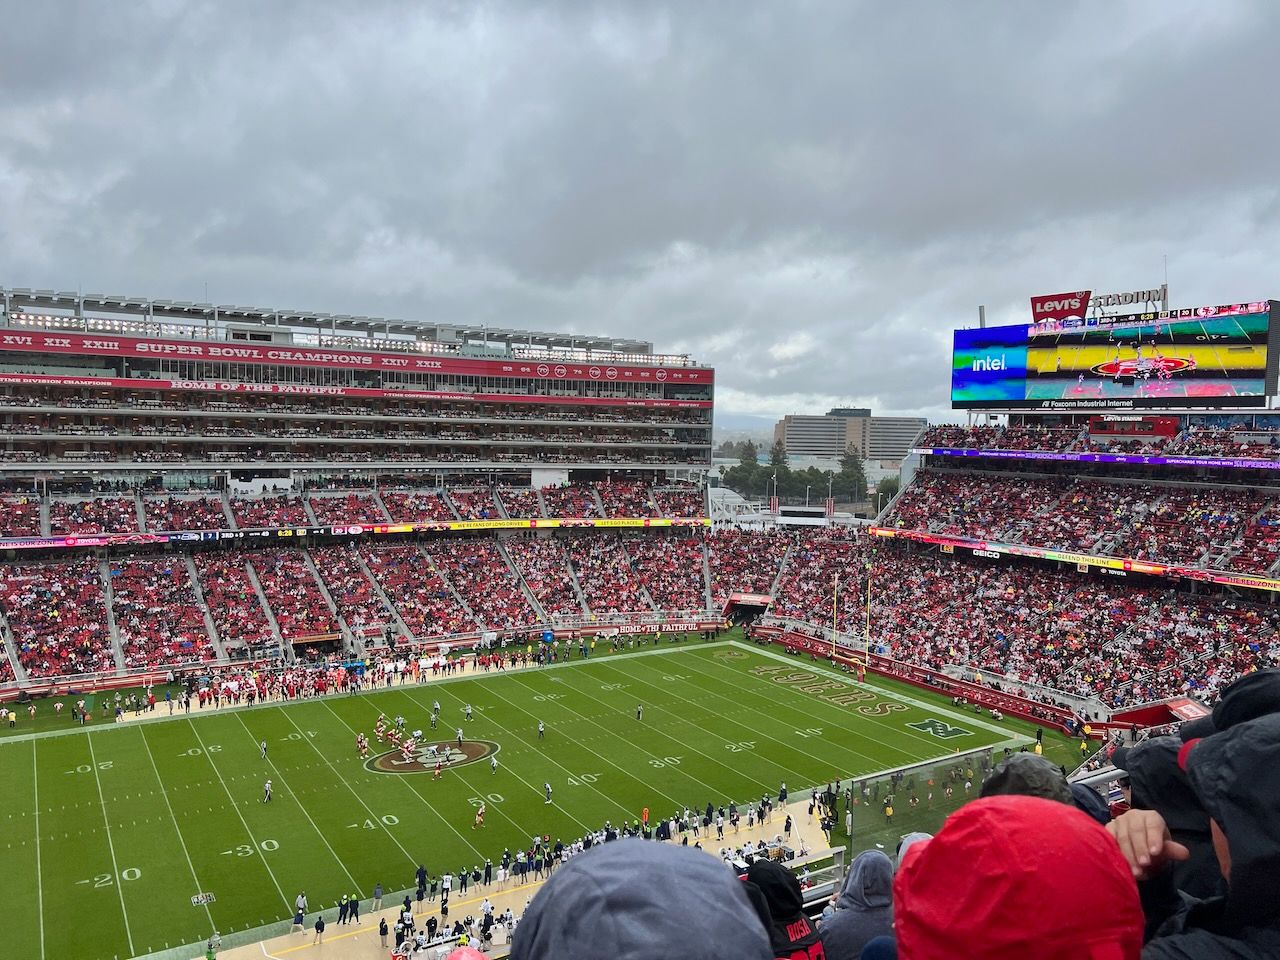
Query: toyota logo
[
  {"x": 595, "y": 373},
  {"x": 560, "y": 370},
  {"x": 611, "y": 373},
  {"x": 660, "y": 375},
  {"x": 543, "y": 370}
]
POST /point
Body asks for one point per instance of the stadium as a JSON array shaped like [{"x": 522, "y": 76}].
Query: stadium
[
  {"x": 610, "y": 481},
  {"x": 305, "y": 604}
]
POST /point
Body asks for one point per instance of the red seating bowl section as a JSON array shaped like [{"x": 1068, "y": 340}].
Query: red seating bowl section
[
  {"x": 347, "y": 508},
  {"x": 19, "y": 516},
  {"x": 58, "y": 614},
  {"x": 293, "y": 594},
  {"x": 608, "y": 582},
  {"x": 282, "y": 510},
  {"x": 185, "y": 513},
  {"x": 97, "y": 515},
  {"x": 157, "y": 613},
  {"x": 423, "y": 600},
  {"x": 1216, "y": 527},
  {"x": 545, "y": 568}
]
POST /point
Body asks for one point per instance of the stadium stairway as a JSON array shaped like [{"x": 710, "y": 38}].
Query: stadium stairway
[
  {"x": 350, "y": 640},
  {"x": 198, "y": 590},
  {"x": 44, "y": 517},
  {"x": 542, "y": 504},
  {"x": 528, "y": 591},
  {"x": 466, "y": 607},
  {"x": 283, "y": 650},
  {"x": 311, "y": 519},
  {"x": 108, "y": 595},
  {"x": 11, "y": 649},
  {"x": 228, "y": 516},
  {"x": 140, "y": 510},
  {"x": 403, "y": 628},
  {"x": 706, "y": 576}
]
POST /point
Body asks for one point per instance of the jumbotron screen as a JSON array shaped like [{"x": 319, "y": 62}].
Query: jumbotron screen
[{"x": 1211, "y": 356}]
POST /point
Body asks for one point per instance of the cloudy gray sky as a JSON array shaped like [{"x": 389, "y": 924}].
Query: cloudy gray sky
[{"x": 807, "y": 195}]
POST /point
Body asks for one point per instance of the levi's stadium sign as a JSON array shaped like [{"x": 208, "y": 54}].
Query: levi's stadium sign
[
  {"x": 1052, "y": 307},
  {"x": 1059, "y": 306}
]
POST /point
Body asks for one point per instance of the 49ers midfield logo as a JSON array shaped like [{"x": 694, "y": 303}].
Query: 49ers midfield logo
[{"x": 425, "y": 755}]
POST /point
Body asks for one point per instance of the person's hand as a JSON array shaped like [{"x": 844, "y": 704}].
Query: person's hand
[{"x": 1144, "y": 841}]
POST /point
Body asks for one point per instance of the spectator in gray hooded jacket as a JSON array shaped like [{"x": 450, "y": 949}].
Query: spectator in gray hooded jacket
[
  {"x": 863, "y": 910},
  {"x": 632, "y": 900}
]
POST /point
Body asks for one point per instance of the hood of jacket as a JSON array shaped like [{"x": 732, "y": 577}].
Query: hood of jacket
[{"x": 869, "y": 884}]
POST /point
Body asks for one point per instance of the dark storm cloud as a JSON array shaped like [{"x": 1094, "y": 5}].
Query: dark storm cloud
[{"x": 810, "y": 196}]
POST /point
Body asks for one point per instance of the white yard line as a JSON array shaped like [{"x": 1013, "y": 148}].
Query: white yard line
[
  {"x": 176, "y": 829},
  {"x": 416, "y": 792},
  {"x": 647, "y": 753},
  {"x": 789, "y": 747},
  {"x": 115, "y": 866},
  {"x": 35, "y": 786},
  {"x": 413, "y": 861},
  {"x": 516, "y": 736},
  {"x": 505, "y": 769},
  {"x": 891, "y": 695},
  {"x": 314, "y": 826},
  {"x": 232, "y": 799}
]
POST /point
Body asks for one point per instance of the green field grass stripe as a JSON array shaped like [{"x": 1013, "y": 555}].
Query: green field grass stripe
[
  {"x": 548, "y": 758},
  {"x": 93, "y": 758},
  {"x": 687, "y": 717},
  {"x": 378, "y": 781},
  {"x": 35, "y": 793},
  {"x": 901, "y": 734},
  {"x": 560, "y": 705},
  {"x": 176, "y": 826},
  {"x": 232, "y": 800},
  {"x": 533, "y": 788},
  {"x": 298, "y": 800},
  {"x": 800, "y": 705},
  {"x": 971, "y": 719},
  {"x": 755, "y": 729},
  {"x": 288, "y": 715}
]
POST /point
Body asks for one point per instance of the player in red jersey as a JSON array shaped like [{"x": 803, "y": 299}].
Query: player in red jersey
[{"x": 479, "y": 817}]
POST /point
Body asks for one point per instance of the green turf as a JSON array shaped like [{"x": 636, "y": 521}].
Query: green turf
[{"x": 121, "y": 825}]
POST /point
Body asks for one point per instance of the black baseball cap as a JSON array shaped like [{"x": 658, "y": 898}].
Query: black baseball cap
[{"x": 1253, "y": 695}]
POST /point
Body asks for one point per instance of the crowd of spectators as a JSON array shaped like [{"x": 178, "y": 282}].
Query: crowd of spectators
[
  {"x": 417, "y": 506},
  {"x": 352, "y": 591},
  {"x": 608, "y": 583},
  {"x": 475, "y": 504},
  {"x": 57, "y": 613},
  {"x": 626, "y": 498},
  {"x": 94, "y": 515},
  {"x": 19, "y": 516},
  {"x": 571, "y": 500},
  {"x": 271, "y": 510},
  {"x": 157, "y": 613},
  {"x": 671, "y": 569},
  {"x": 184, "y": 513},
  {"x": 233, "y": 602},
  {"x": 545, "y": 568},
  {"x": 1216, "y": 527},
  {"x": 744, "y": 562},
  {"x": 520, "y": 504},
  {"x": 1086, "y": 636},
  {"x": 482, "y": 576},
  {"x": 421, "y": 598},
  {"x": 680, "y": 502},
  {"x": 347, "y": 508},
  {"x": 293, "y": 594}
]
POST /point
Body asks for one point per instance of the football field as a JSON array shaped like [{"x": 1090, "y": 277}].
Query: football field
[{"x": 112, "y": 835}]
